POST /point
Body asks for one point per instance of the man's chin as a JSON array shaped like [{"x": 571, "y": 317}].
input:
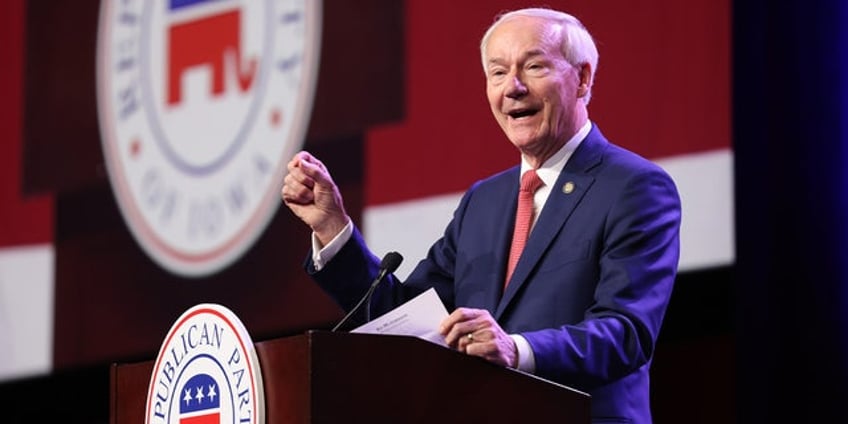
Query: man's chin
[
  {"x": 527, "y": 146},
  {"x": 524, "y": 139}
]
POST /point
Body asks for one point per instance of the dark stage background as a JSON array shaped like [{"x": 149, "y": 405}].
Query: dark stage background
[{"x": 763, "y": 339}]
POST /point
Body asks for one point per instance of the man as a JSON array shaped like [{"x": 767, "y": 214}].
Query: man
[{"x": 584, "y": 303}]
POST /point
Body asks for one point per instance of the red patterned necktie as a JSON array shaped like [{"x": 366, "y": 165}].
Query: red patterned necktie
[{"x": 530, "y": 182}]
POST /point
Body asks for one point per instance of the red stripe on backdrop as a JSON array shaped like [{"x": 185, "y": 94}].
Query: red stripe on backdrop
[
  {"x": 662, "y": 89},
  {"x": 23, "y": 219}
]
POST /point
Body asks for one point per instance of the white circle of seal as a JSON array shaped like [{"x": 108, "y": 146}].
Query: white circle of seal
[
  {"x": 207, "y": 371},
  {"x": 201, "y": 103}
]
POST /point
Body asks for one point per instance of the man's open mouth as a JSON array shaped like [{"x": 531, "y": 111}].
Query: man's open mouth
[{"x": 521, "y": 113}]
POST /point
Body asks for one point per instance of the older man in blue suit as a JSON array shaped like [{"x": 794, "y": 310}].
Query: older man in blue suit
[{"x": 581, "y": 299}]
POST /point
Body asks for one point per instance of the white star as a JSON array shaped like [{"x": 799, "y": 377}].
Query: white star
[
  {"x": 187, "y": 397},
  {"x": 211, "y": 393},
  {"x": 199, "y": 395}
]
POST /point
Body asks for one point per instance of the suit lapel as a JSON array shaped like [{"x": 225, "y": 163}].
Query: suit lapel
[
  {"x": 506, "y": 220},
  {"x": 572, "y": 184}
]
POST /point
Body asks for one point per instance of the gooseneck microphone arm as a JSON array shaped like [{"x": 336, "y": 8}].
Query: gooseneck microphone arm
[{"x": 388, "y": 265}]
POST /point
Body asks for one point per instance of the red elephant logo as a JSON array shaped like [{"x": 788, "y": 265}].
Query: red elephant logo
[{"x": 213, "y": 41}]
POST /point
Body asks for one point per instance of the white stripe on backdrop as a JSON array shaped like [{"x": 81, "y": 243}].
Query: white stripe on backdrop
[{"x": 26, "y": 311}]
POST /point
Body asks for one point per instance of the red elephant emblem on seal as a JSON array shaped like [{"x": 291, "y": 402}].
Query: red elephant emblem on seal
[{"x": 213, "y": 41}]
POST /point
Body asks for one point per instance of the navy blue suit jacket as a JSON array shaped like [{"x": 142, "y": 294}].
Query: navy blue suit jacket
[{"x": 590, "y": 290}]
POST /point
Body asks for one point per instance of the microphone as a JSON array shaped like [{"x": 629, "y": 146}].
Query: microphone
[{"x": 389, "y": 264}]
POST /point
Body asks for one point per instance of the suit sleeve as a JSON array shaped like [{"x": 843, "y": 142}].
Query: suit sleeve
[
  {"x": 637, "y": 267},
  {"x": 347, "y": 277}
]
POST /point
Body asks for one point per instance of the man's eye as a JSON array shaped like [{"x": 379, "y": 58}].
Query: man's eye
[{"x": 497, "y": 75}]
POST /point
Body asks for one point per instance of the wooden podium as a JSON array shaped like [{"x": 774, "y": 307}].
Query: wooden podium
[{"x": 326, "y": 377}]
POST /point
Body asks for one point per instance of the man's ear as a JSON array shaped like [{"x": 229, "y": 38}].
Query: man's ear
[{"x": 584, "y": 72}]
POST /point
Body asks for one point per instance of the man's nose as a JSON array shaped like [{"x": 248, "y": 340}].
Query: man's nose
[{"x": 516, "y": 88}]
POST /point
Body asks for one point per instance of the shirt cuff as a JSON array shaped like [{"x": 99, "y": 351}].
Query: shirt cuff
[
  {"x": 321, "y": 255},
  {"x": 526, "y": 360}
]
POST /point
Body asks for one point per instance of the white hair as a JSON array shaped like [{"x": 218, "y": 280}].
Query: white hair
[{"x": 577, "y": 44}]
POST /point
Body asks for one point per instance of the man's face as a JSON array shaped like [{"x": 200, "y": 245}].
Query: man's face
[{"x": 532, "y": 89}]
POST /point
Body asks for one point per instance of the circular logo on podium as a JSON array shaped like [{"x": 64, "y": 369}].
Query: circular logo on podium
[
  {"x": 201, "y": 103},
  {"x": 206, "y": 372}
]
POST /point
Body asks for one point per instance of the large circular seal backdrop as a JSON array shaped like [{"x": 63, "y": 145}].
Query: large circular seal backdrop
[{"x": 201, "y": 103}]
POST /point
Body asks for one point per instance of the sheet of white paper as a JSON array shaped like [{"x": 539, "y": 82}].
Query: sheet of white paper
[{"x": 419, "y": 317}]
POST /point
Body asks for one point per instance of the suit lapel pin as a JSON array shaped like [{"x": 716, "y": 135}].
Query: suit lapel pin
[{"x": 568, "y": 187}]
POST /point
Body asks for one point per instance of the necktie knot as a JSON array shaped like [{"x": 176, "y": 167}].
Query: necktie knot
[{"x": 530, "y": 181}]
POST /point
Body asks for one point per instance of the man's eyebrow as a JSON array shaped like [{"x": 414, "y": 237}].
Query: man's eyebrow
[{"x": 526, "y": 55}]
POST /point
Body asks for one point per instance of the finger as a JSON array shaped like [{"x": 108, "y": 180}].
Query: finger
[
  {"x": 459, "y": 324},
  {"x": 302, "y": 196},
  {"x": 304, "y": 167},
  {"x": 295, "y": 191},
  {"x": 295, "y": 161},
  {"x": 316, "y": 171},
  {"x": 469, "y": 339},
  {"x": 455, "y": 317},
  {"x": 477, "y": 348},
  {"x": 299, "y": 174},
  {"x": 458, "y": 336},
  {"x": 312, "y": 166},
  {"x": 451, "y": 326},
  {"x": 305, "y": 156},
  {"x": 486, "y": 350}
]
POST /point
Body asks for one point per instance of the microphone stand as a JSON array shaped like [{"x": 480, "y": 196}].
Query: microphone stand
[{"x": 389, "y": 264}]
